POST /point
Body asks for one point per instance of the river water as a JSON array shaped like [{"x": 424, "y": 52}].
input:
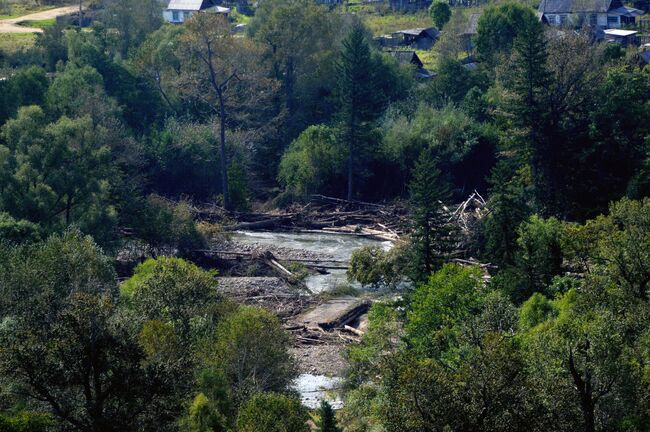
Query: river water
[{"x": 338, "y": 247}]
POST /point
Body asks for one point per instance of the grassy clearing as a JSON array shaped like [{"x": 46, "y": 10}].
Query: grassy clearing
[
  {"x": 42, "y": 24},
  {"x": 391, "y": 22},
  {"x": 429, "y": 58},
  {"x": 12, "y": 42},
  {"x": 239, "y": 18}
]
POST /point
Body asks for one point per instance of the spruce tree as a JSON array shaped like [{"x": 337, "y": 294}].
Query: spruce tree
[
  {"x": 432, "y": 236},
  {"x": 530, "y": 83},
  {"x": 360, "y": 97},
  {"x": 327, "y": 421}
]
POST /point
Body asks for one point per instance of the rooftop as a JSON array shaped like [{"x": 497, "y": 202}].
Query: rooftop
[
  {"x": 620, "y": 33},
  {"x": 626, "y": 12},
  {"x": 190, "y": 5},
  {"x": 576, "y": 6},
  {"x": 432, "y": 32}
]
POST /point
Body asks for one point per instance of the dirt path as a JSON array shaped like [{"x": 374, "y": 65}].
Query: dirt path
[{"x": 12, "y": 25}]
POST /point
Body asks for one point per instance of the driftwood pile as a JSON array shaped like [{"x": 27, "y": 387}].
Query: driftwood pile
[
  {"x": 271, "y": 293},
  {"x": 469, "y": 212},
  {"x": 320, "y": 214}
]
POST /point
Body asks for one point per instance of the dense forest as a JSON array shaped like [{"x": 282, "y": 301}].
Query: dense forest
[{"x": 116, "y": 128}]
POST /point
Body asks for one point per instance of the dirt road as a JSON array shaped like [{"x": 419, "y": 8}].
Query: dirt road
[{"x": 11, "y": 25}]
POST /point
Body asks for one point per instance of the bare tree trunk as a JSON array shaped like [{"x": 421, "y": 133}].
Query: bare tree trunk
[
  {"x": 351, "y": 147},
  {"x": 224, "y": 156},
  {"x": 81, "y": 16},
  {"x": 585, "y": 391}
]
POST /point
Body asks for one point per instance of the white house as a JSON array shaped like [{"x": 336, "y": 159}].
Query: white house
[
  {"x": 179, "y": 10},
  {"x": 595, "y": 13}
]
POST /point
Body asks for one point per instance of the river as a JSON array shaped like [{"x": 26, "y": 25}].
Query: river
[{"x": 338, "y": 247}]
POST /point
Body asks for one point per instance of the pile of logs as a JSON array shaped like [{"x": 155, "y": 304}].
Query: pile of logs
[
  {"x": 336, "y": 215},
  {"x": 320, "y": 214}
]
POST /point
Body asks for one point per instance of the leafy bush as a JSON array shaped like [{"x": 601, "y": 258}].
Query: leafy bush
[
  {"x": 167, "y": 227},
  {"x": 272, "y": 413},
  {"x": 25, "y": 422},
  {"x": 251, "y": 349},
  {"x": 372, "y": 265},
  {"x": 18, "y": 231},
  {"x": 312, "y": 161},
  {"x": 172, "y": 291}
]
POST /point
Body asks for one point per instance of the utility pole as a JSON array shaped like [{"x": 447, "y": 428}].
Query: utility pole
[{"x": 81, "y": 17}]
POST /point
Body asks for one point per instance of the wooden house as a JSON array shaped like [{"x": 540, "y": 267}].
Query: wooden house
[
  {"x": 595, "y": 13},
  {"x": 179, "y": 10},
  {"x": 419, "y": 38},
  {"x": 412, "y": 58}
]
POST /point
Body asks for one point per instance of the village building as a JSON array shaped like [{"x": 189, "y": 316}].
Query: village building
[
  {"x": 179, "y": 10},
  {"x": 623, "y": 37},
  {"x": 468, "y": 33},
  {"x": 595, "y": 13},
  {"x": 409, "y": 5},
  {"x": 411, "y": 57},
  {"x": 417, "y": 38}
]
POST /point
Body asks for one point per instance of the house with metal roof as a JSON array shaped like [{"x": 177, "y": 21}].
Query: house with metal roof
[
  {"x": 595, "y": 13},
  {"x": 623, "y": 37},
  {"x": 179, "y": 10},
  {"x": 420, "y": 38}
]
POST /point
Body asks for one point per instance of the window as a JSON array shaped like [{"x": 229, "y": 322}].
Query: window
[
  {"x": 175, "y": 16},
  {"x": 593, "y": 20},
  {"x": 612, "y": 20},
  {"x": 563, "y": 19}
]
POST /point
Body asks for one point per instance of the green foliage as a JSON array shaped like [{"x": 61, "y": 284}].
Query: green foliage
[
  {"x": 211, "y": 410},
  {"x": 432, "y": 237},
  {"x": 172, "y": 291},
  {"x": 360, "y": 98},
  {"x": 498, "y": 27},
  {"x": 61, "y": 326},
  {"x": 25, "y": 422},
  {"x": 238, "y": 187},
  {"x": 539, "y": 255},
  {"x": 273, "y": 413},
  {"x": 79, "y": 91},
  {"x": 451, "y": 295},
  {"x": 133, "y": 20},
  {"x": 36, "y": 279},
  {"x": 440, "y": 13},
  {"x": 53, "y": 44},
  {"x": 327, "y": 418},
  {"x": 372, "y": 265},
  {"x": 156, "y": 60},
  {"x": 56, "y": 174},
  {"x": 312, "y": 162},
  {"x": 365, "y": 358},
  {"x": 509, "y": 204},
  {"x": 181, "y": 159},
  {"x": 26, "y": 87},
  {"x": 251, "y": 349},
  {"x": 536, "y": 310},
  {"x": 461, "y": 146},
  {"x": 18, "y": 231},
  {"x": 452, "y": 82},
  {"x": 167, "y": 227}
]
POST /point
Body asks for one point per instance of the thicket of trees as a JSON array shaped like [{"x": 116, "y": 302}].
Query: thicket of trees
[{"x": 118, "y": 128}]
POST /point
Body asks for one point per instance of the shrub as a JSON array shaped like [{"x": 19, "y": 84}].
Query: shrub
[{"x": 272, "y": 413}]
